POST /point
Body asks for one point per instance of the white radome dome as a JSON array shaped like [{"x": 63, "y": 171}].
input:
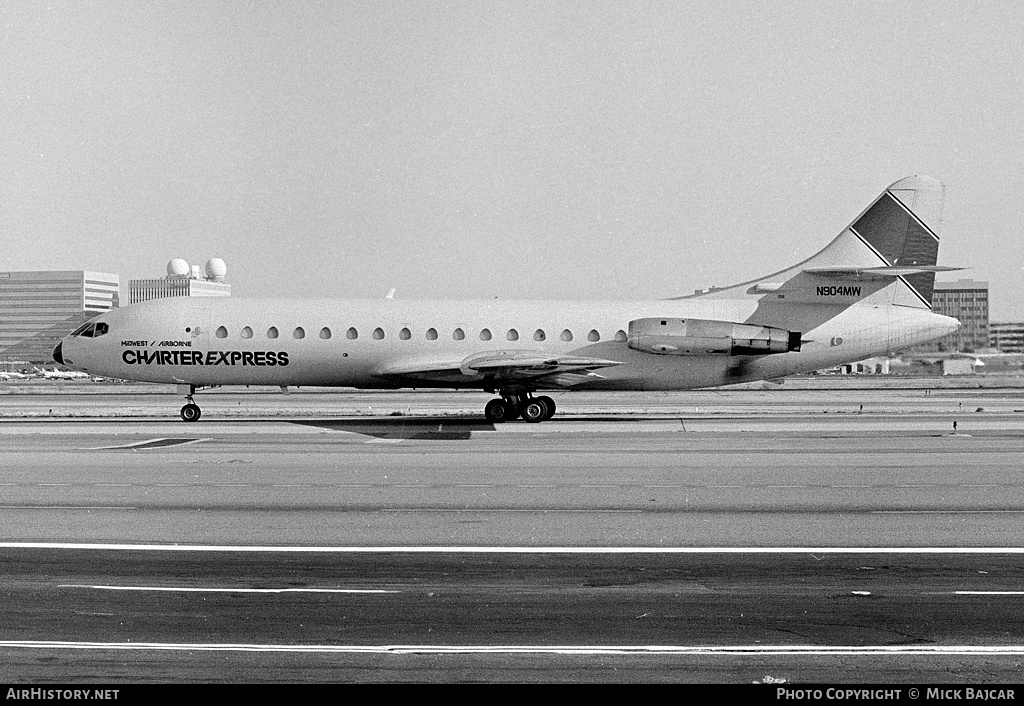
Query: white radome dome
[
  {"x": 216, "y": 269},
  {"x": 177, "y": 268}
]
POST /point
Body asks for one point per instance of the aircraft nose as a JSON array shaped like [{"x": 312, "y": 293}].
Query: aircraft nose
[{"x": 57, "y": 354}]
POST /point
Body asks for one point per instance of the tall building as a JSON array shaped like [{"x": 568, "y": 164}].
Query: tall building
[
  {"x": 182, "y": 281},
  {"x": 38, "y": 309},
  {"x": 1006, "y": 337},
  {"x": 966, "y": 300}
]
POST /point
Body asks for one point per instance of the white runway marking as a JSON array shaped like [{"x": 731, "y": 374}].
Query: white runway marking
[
  {"x": 158, "y": 443},
  {"x": 542, "y": 511},
  {"x": 66, "y": 507},
  {"x": 507, "y": 550},
  {"x": 989, "y": 593},
  {"x": 945, "y": 512},
  {"x": 626, "y": 650},
  {"x": 184, "y": 589}
]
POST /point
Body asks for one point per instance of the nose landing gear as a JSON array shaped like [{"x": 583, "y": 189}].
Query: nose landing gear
[{"x": 190, "y": 412}]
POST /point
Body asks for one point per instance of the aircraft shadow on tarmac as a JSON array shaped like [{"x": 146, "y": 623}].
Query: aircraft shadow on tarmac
[
  {"x": 446, "y": 429},
  {"x": 456, "y": 428}
]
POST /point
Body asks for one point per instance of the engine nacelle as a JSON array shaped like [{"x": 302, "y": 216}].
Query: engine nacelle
[{"x": 708, "y": 337}]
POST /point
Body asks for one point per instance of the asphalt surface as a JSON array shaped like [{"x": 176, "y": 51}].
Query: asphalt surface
[
  {"x": 793, "y": 536},
  {"x": 210, "y": 617}
]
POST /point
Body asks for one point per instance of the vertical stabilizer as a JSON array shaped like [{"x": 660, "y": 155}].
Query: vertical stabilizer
[
  {"x": 887, "y": 255},
  {"x": 902, "y": 228}
]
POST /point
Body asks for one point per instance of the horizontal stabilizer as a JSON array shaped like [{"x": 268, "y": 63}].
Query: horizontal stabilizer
[{"x": 877, "y": 273}]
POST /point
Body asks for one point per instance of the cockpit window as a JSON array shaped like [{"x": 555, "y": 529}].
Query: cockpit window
[{"x": 91, "y": 330}]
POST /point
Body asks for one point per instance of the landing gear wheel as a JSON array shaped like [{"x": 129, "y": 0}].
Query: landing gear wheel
[
  {"x": 550, "y": 404},
  {"x": 498, "y": 411},
  {"x": 534, "y": 411},
  {"x": 191, "y": 413}
]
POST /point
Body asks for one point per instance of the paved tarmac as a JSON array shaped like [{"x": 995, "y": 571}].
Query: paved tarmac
[
  {"x": 749, "y": 534},
  {"x": 108, "y": 615}
]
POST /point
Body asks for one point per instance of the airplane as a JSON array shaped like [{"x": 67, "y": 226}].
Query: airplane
[
  {"x": 59, "y": 374},
  {"x": 867, "y": 293}
]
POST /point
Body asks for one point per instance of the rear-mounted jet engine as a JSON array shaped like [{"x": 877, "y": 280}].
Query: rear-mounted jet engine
[{"x": 708, "y": 337}]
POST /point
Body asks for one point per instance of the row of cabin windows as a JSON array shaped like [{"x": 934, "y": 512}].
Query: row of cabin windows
[{"x": 431, "y": 334}]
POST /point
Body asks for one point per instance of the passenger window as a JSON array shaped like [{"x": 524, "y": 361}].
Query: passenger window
[
  {"x": 458, "y": 334},
  {"x": 620, "y": 336},
  {"x": 246, "y": 332},
  {"x": 593, "y": 336},
  {"x": 512, "y": 335},
  {"x": 352, "y": 334},
  {"x": 566, "y": 335},
  {"x": 405, "y": 334},
  {"x": 539, "y": 335},
  {"x": 221, "y": 332},
  {"x": 272, "y": 332},
  {"x": 485, "y": 335},
  {"x": 325, "y": 333},
  {"x": 431, "y": 334},
  {"x": 378, "y": 334},
  {"x": 299, "y": 332}
]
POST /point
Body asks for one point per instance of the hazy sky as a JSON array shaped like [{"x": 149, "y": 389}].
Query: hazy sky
[{"x": 501, "y": 149}]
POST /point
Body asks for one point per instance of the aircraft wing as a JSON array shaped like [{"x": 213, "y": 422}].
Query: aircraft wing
[{"x": 536, "y": 367}]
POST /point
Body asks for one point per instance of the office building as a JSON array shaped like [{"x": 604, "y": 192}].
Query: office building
[
  {"x": 182, "y": 280},
  {"x": 967, "y": 301},
  {"x": 39, "y": 308},
  {"x": 1006, "y": 337}
]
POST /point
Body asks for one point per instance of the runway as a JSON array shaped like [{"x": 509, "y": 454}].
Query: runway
[
  {"x": 267, "y": 616},
  {"x": 609, "y": 544}
]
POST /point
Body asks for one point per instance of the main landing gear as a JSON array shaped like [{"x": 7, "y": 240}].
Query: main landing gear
[
  {"x": 519, "y": 403},
  {"x": 190, "y": 412}
]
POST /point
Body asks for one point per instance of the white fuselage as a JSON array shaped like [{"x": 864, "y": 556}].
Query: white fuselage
[{"x": 235, "y": 341}]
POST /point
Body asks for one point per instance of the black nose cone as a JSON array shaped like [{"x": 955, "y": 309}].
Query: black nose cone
[{"x": 57, "y": 355}]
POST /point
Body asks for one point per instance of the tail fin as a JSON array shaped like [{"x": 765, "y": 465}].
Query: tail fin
[
  {"x": 902, "y": 228},
  {"x": 894, "y": 241}
]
